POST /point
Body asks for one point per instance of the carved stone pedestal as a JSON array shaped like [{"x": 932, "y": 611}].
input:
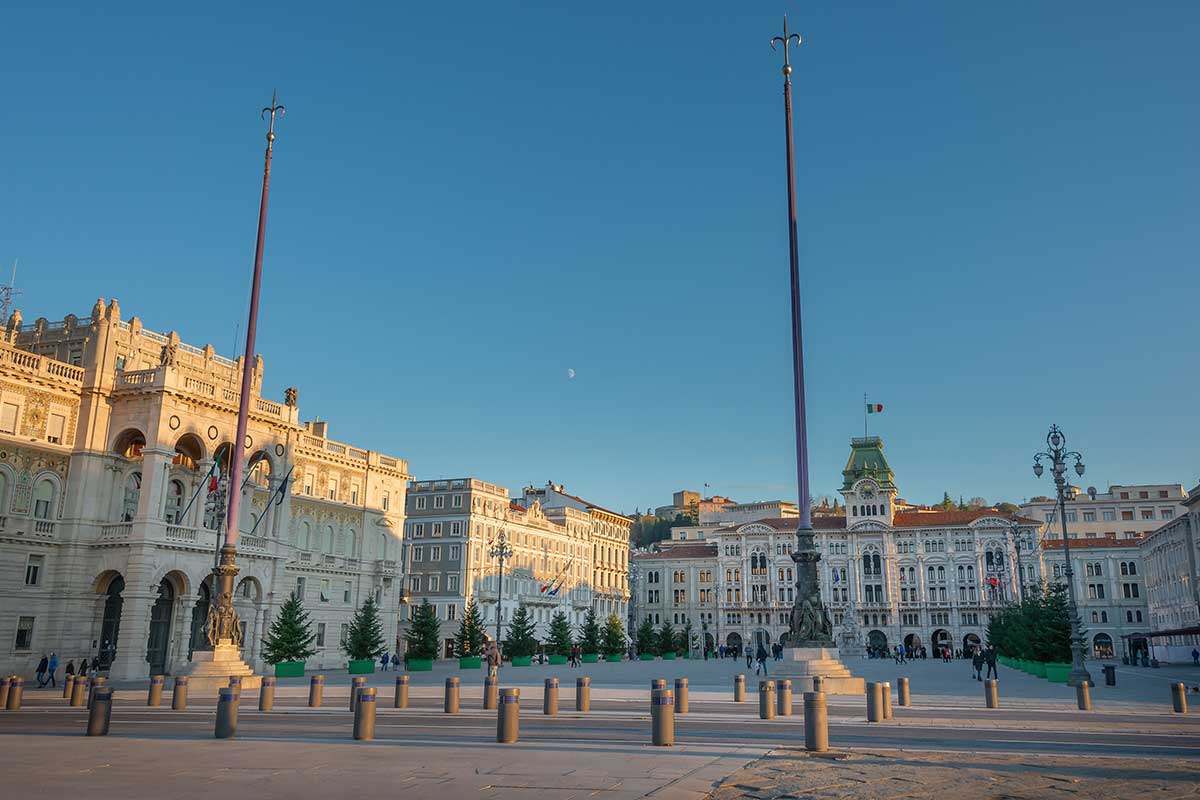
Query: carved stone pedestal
[
  {"x": 211, "y": 670},
  {"x": 802, "y": 664}
]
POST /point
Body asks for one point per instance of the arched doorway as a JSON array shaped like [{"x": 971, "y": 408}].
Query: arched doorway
[
  {"x": 734, "y": 642},
  {"x": 110, "y": 627},
  {"x": 877, "y": 641},
  {"x": 911, "y": 642},
  {"x": 970, "y": 642},
  {"x": 1102, "y": 646},
  {"x": 941, "y": 638},
  {"x": 160, "y": 628},
  {"x": 199, "y": 617},
  {"x": 762, "y": 639}
]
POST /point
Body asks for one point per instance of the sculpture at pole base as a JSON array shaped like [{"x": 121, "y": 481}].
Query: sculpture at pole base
[
  {"x": 809, "y": 624},
  {"x": 223, "y": 624}
]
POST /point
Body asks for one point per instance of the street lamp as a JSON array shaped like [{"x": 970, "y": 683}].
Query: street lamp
[
  {"x": 1056, "y": 455},
  {"x": 1014, "y": 530},
  {"x": 501, "y": 550}
]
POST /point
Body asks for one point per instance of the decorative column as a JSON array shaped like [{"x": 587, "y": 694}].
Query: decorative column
[
  {"x": 130, "y": 661},
  {"x": 156, "y": 466}
]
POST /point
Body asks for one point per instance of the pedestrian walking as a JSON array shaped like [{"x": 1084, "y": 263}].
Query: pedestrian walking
[
  {"x": 492, "y": 653},
  {"x": 749, "y": 657},
  {"x": 761, "y": 657},
  {"x": 1196, "y": 657},
  {"x": 41, "y": 671},
  {"x": 383, "y": 661},
  {"x": 83, "y": 667},
  {"x": 977, "y": 664},
  {"x": 395, "y": 662},
  {"x": 51, "y": 666},
  {"x": 70, "y": 669},
  {"x": 989, "y": 656}
]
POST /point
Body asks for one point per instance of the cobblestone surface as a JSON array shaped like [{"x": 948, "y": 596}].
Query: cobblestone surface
[{"x": 872, "y": 774}]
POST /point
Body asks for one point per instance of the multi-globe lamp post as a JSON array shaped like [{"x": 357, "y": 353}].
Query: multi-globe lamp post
[
  {"x": 1057, "y": 455},
  {"x": 502, "y": 550}
]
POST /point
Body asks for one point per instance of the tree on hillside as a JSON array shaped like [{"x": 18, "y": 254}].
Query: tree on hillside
[
  {"x": 1007, "y": 508},
  {"x": 947, "y": 504},
  {"x": 589, "y": 634},
  {"x": 291, "y": 636},
  {"x": 469, "y": 640}
]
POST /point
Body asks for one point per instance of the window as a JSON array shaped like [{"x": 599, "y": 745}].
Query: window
[
  {"x": 418, "y": 530},
  {"x": 344, "y": 634},
  {"x": 347, "y": 588},
  {"x": 1095, "y": 591},
  {"x": 456, "y": 529},
  {"x": 455, "y": 552},
  {"x": 1071, "y": 517},
  {"x": 414, "y": 583},
  {"x": 1108, "y": 515},
  {"x": 1131, "y": 590},
  {"x": 8, "y": 419},
  {"x": 418, "y": 553},
  {"x": 320, "y": 634},
  {"x": 387, "y": 497},
  {"x": 439, "y": 501},
  {"x": 299, "y": 588},
  {"x": 310, "y": 481},
  {"x": 133, "y": 493},
  {"x": 1129, "y": 616},
  {"x": 452, "y": 610},
  {"x": 1168, "y": 513},
  {"x": 1104, "y": 616},
  {"x": 1147, "y": 513},
  {"x": 1132, "y": 568},
  {"x": 55, "y": 425},
  {"x": 456, "y": 501},
  {"x": 174, "y": 509},
  {"x": 1126, "y": 515},
  {"x": 436, "y": 529},
  {"x": 435, "y": 583},
  {"x": 324, "y": 590},
  {"x": 420, "y": 502},
  {"x": 451, "y": 583},
  {"x": 1138, "y": 615},
  {"x": 43, "y": 499},
  {"x": 435, "y": 553},
  {"x": 24, "y": 634},
  {"x": 33, "y": 570},
  {"x": 354, "y": 487}
]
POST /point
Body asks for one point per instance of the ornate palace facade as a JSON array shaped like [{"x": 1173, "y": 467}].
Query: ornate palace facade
[{"x": 114, "y": 444}]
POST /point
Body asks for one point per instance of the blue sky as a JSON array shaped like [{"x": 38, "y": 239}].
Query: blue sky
[{"x": 997, "y": 227}]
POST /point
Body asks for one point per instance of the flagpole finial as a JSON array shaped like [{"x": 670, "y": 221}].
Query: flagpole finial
[
  {"x": 273, "y": 109},
  {"x": 786, "y": 40}
]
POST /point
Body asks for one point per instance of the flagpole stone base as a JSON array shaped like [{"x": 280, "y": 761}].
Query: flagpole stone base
[
  {"x": 802, "y": 664},
  {"x": 210, "y": 670}
]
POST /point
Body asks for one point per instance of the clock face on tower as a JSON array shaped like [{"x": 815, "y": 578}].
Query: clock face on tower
[{"x": 867, "y": 492}]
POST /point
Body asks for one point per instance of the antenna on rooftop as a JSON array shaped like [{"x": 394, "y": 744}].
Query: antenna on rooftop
[{"x": 7, "y": 293}]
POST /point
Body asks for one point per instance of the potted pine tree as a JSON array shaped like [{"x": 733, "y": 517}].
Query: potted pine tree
[
  {"x": 612, "y": 641},
  {"x": 289, "y": 641},
  {"x": 521, "y": 642},
  {"x": 559, "y": 644},
  {"x": 423, "y": 638},
  {"x": 666, "y": 641},
  {"x": 683, "y": 641},
  {"x": 645, "y": 639},
  {"x": 589, "y": 638},
  {"x": 364, "y": 639},
  {"x": 468, "y": 644}
]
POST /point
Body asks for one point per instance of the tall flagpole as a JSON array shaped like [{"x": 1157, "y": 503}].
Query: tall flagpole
[
  {"x": 810, "y": 625},
  {"x": 223, "y": 627}
]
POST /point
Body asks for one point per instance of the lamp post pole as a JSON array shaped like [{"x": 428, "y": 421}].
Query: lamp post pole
[
  {"x": 501, "y": 550},
  {"x": 1014, "y": 530},
  {"x": 809, "y": 625},
  {"x": 1056, "y": 454}
]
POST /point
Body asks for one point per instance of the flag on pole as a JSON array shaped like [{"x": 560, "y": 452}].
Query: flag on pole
[{"x": 874, "y": 408}]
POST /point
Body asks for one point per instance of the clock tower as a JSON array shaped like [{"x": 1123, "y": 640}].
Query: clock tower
[{"x": 868, "y": 484}]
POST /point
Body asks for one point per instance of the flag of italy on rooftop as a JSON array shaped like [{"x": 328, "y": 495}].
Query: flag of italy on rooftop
[{"x": 874, "y": 408}]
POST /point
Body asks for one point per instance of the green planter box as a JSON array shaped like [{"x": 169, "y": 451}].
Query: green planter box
[
  {"x": 687, "y": 655},
  {"x": 420, "y": 665},
  {"x": 646, "y": 657},
  {"x": 522, "y": 661},
  {"x": 363, "y": 666},
  {"x": 1058, "y": 673},
  {"x": 1037, "y": 668},
  {"x": 289, "y": 669},
  {"x": 470, "y": 662},
  {"x": 557, "y": 660},
  {"x": 591, "y": 658},
  {"x": 668, "y": 656},
  {"x": 614, "y": 658}
]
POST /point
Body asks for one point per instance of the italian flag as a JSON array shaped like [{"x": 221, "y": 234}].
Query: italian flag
[{"x": 874, "y": 408}]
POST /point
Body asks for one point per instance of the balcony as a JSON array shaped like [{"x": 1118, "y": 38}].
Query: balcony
[
  {"x": 385, "y": 567},
  {"x": 116, "y": 532}
]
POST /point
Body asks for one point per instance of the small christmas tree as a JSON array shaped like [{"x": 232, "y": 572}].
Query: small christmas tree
[
  {"x": 666, "y": 639},
  {"x": 521, "y": 639},
  {"x": 469, "y": 641},
  {"x": 291, "y": 636},
  {"x": 560, "y": 635},
  {"x": 424, "y": 634},
  {"x": 589, "y": 634},
  {"x": 645, "y": 637},
  {"x": 365, "y": 636},
  {"x": 613, "y": 638}
]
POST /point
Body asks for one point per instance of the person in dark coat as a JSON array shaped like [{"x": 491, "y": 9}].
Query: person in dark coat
[
  {"x": 69, "y": 669},
  {"x": 989, "y": 656},
  {"x": 41, "y": 671},
  {"x": 977, "y": 664},
  {"x": 395, "y": 662},
  {"x": 761, "y": 658}
]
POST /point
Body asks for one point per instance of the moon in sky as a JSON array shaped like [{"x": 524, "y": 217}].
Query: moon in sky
[{"x": 570, "y": 374}]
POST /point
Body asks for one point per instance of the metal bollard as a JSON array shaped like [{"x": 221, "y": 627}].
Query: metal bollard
[
  {"x": 681, "y": 695},
  {"x": 874, "y": 702},
  {"x": 491, "y": 691},
  {"x": 364, "y": 714},
  {"x": 816, "y": 722},
  {"x": 266, "y": 694},
  {"x": 101, "y": 713},
  {"x": 902, "y": 692},
  {"x": 316, "y": 691},
  {"x": 401, "y": 700},
  {"x": 657, "y": 683},
  {"x": 886, "y": 692},
  {"x": 662, "y": 718},
  {"x": 450, "y": 701},
  {"x": 550, "y": 697},
  {"x": 356, "y": 683},
  {"x": 93, "y": 685},
  {"x": 783, "y": 697},
  {"x": 5, "y": 684},
  {"x": 179, "y": 696},
  {"x": 508, "y": 718},
  {"x": 68, "y": 686},
  {"x": 16, "y": 687},
  {"x": 154, "y": 697},
  {"x": 583, "y": 694},
  {"x": 1083, "y": 697},
  {"x": 766, "y": 700},
  {"x": 227, "y": 714},
  {"x": 818, "y": 683},
  {"x": 991, "y": 693},
  {"x": 79, "y": 694},
  {"x": 235, "y": 683},
  {"x": 739, "y": 688},
  {"x": 1178, "y": 698}
]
